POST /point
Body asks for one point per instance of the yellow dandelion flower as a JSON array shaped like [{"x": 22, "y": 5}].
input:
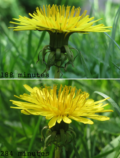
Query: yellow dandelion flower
[
  {"x": 60, "y": 22},
  {"x": 58, "y": 19},
  {"x": 62, "y": 105}
]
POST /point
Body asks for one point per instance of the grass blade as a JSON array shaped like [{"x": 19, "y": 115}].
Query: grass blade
[
  {"x": 113, "y": 103},
  {"x": 111, "y": 43},
  {"x": 104, "y": 154},
  {"x": 40, "y": 41},
  {"x": 34, "y": 134},
  {"x": 112, "y": 40},
  {"x": 29, "y": 46},
  {"x": 87, "y": 72}
]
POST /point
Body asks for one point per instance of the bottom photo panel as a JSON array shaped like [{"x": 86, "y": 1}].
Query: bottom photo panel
[{"x": 60, "y": 118}]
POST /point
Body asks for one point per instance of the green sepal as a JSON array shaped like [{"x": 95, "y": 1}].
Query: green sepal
[
  {"x": 69, "y": 137},
  {"x": 69, "y": 53},
  {"x": 73, "y": 133},
  {"x": 63, "y": 58},
  {"x": 48, "y": 140},
  {"x": 48, "y": 132},
  {"x": 58, "y": 53},
  {"x": 51, "y": 59},
  {"x": 63, "y": 136},
  {"x": 44, "y": 52},
  {"x": 42, "y": 135}
]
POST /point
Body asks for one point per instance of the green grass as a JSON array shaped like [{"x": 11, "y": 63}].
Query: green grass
[
  {"x": 98, "y": 55},
  {"x": 19, "y": 132}
]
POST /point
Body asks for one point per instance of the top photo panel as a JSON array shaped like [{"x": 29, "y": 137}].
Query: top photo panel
[{"x": 60, "y": 39}]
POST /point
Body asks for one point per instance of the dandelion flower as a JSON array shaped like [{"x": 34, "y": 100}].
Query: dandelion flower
[
  {"x": 58, "y": 19},
  {"x": 63, "y": 105},
  {"x": 60, "y": 22}
]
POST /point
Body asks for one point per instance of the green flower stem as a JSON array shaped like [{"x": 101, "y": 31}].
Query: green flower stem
[
  {"x": 57, "y": 70},
  {"x": 57, "y": 152}
]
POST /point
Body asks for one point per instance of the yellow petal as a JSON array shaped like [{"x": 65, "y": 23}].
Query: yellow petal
[
  {"x": 25, "y": 112},
  {"x": 66, "y": 119},
  {"x": 89, "y": 102},
  {"x": 49, "y": 116},
  {"x": 52, "y": 122},
  {"x": 59, "y": 119},
  {"x": 28, "y": 88},
  {"x": 81, "y": 119},
  {"x": 99, "y": 117}
]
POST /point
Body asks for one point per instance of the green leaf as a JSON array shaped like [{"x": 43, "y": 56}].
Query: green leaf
[
  {"x": 40, "y": 42},
  {"x": 109, "y": 53},
  {"x": 29, "y": 46}
]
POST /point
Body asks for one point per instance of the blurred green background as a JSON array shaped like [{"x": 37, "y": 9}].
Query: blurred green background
[
  {"x": 99, "y": 57},
  {"x": 19, "y": 132}
]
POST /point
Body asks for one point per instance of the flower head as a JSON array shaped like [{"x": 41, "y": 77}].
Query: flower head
[
  {"x": 60, "y": 22},
  {"x": 61, "y": 106},
  {"x": 59, "y": 19}
]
